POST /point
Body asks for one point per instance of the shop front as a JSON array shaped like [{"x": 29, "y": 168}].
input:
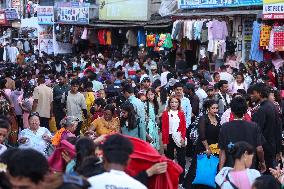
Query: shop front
[
  {"x": 131, "y": 31},
  {"x": 45, "y": 18},
  {"x": 212, "y": 34},
  {"x": 71, "y": 27},
  {"x": 268, "y": 40}
]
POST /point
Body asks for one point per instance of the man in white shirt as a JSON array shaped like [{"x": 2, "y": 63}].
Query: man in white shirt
[
  {"x": 116, "y": 150},
  {"x": 164, "y": 80},
  {"x": 201, "y": 93},
  {"x": 224, "y": 75},
  {"x": 75, "y": 104}
]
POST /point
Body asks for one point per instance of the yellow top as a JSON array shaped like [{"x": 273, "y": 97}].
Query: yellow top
[
  {"x": 102, "y": 127},
  {"x": 90, "y": 98}
]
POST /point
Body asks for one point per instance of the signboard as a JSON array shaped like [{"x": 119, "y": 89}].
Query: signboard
[
  {"x": 45, "y": 15},
  {"x": 2, "y": 17},
  {"x": 192, "y": 4},
  {"x": 11, "y": 14},
  {"x": 273, "y": 9},
  {"x": 134, "y": 10},
  {"x": 45, "y": 39},
  {"x": 73, "y": 12}
]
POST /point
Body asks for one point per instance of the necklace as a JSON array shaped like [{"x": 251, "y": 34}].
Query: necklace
[{"x": 213, "y": 120}]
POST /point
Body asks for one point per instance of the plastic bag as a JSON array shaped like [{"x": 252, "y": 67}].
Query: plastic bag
[{"x": 206, "y": 170}]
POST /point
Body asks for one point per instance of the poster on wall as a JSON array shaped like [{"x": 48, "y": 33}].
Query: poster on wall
[
  {"x": 273, "y": 9},
  {"x": 45, "y": 39},
  {"x": 191, "y": 4},
  {"x": 45, "y": 15},
  {"x": 11, "y": 14},
  {"x": 73, "y": 13}
]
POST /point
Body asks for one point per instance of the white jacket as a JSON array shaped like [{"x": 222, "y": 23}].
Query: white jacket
[{"x": 221, "y": 180}]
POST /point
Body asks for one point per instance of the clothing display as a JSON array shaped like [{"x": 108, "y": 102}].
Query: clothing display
[
  {"x": 141, "y": 37},
  {"x": 278, "y": 38},
  {"x": 255, "y": 52},
  {"x": 264, "y": 36},
  {"x": 212, "y": 33},
  {"x": 195, "y": 29},
  {"x": 132, "y": 38},
  {"x": 159, "y": 40}
]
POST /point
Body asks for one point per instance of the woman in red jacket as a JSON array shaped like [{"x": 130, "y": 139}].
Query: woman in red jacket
[{"x": 174, "y": 132}]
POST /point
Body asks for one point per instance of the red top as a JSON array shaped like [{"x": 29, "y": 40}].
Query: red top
[
  {"x": 165, "y": 126},
  {"x": 246, "y": 117}
]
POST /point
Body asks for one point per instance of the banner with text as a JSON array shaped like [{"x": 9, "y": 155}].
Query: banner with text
[
  {"x": 73, "y": 13},
  {"x": 45, "y": 15},
  {"x": 273, "y": 9},
  {"x": 192, "y": 4}
]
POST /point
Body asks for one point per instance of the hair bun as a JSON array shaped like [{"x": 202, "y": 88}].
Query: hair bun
[{"x": 231, "y": 148}]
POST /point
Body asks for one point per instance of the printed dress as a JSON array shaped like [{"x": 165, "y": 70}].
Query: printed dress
[{"x": 152, "y": 127}]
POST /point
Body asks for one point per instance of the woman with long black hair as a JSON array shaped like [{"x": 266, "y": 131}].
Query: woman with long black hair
[
  {"x": 129, "y": 121},
  {"x": 152, "y": 107},
  {"x": 208, "y": 130}
]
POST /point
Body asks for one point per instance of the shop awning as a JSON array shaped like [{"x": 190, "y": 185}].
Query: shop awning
[
  {"x": 163, "y": 23},
  {"x": 214, "y": 12}
]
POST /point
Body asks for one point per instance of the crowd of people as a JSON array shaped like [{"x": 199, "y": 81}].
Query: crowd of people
[{"x": 73, "y": 121}]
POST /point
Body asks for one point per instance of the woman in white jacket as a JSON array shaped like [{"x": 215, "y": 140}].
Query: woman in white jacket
[{"x": 240, "y": 176}]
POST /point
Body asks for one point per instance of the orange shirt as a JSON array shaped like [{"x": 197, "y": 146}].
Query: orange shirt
[{"x": 102, "y": 127}]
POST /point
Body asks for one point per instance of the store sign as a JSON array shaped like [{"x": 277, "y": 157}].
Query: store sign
[
  {"x": 2, "y": 17},
  {"x": 273, "y": 9},
  {"x": 135, "y": 10},
  {"x": 11, "y": 14},
  {"x": 73, "y": 12},
  {"x": 45, "y": 15},
  {"x": 191, "y": 4}
]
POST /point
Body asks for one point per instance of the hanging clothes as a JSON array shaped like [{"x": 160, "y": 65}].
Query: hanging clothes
[
  {"x": 197, "y": 30},
  {"x": 151, "y": 40},
  {"x": 84, "y": 34},
  {"x": 162, "y": 39},
  {"x": 177, "y": 32},
  {"x": 264, "y": 36},
  {"x": 255, "y": 52},
  {"x": 141, "y": 37},
  {"x": 278, "y": 40},
  {"x": 168, "y": 42},
  {"x": 132, "y": 38},
  {"x": 102, "y": 37},
  {"x": 108, "y": 38},
  {"x": 188, "y": 29},
  {"x": 204, "y": 33}
]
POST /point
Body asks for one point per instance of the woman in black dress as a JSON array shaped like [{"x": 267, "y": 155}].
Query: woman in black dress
[{"x": 208, "y": 129}]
